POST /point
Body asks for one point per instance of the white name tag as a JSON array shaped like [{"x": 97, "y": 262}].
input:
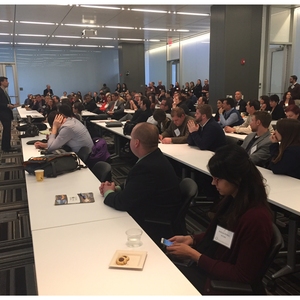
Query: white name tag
[
  {"x": 223, "y": 236},
  {"x": 115, "y": 107},
  {"x": 177, "y": 132},
  {"x": 253, "y": 149}
]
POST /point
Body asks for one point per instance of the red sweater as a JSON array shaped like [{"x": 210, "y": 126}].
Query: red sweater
[{"x": 250, "y": 244}]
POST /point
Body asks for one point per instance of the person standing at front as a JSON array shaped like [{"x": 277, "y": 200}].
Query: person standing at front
[{"x": 6, "y": 115}]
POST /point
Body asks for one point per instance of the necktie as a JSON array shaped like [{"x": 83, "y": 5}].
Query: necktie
[{"x": 8, "y": 98}]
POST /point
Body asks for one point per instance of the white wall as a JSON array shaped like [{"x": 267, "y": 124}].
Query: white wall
[{"x": 193, "y": 55}]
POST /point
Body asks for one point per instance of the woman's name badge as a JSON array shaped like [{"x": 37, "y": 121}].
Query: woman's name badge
[
  {"x": 177, "y": 132},
  {"x": 223, "y": 236}
]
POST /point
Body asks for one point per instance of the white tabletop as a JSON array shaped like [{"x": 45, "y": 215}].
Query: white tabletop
[
  {"x": 23, "y": 112},
  {"x": 236, "y": 135},
  {"x": 41, "y": 197},
  {"x": 129, "y": 111},
  {"x": 86, "y": 113},
  {"x": 74, "y": 260}
]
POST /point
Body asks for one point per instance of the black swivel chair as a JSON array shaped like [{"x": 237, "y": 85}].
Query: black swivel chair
[
  {"x": 84, "y": 153},
  {"x": 257, "y": 287},
  {"x": 102, "y": 170},
  {"x": 174, "y": 223}
]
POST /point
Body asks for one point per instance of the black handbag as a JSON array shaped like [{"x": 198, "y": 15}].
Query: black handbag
[
  {"x": 128, "y": 128},
  {"x": 53, "y": 164}
]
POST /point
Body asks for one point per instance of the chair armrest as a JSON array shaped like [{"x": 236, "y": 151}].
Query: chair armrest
[{"x": 230, "y": 286}]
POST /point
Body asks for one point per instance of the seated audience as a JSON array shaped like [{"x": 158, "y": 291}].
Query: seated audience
[
  {"x": 180, "y": 101},
  {"x": 286, "y": 100},
  {"x": 219, "y": 109},
  {"x": 177, "y": 132},
  {"x": 67, "y": 130},
  {"x": 264, "y": 101},
  {"x": 143, "y": 113},
  {"x": 88, "y": 103},
  {"x": 285, "y": 148},
  {"x": 230, "y": 116},
  {"x": 77, "y": 109},
  {"x": 292, "y": 112},
  {"x": 245, "y": 215},
  {"x": 144, "y": 187},
  {"x": 251, "y": 107},
  {"x": 277, "y": 111},
  {"x": 240, "y": 102},
  {"x": 257, "y": 143},
  {"x": 161, "y": 119},
  {"x": 205, "y": 132}
]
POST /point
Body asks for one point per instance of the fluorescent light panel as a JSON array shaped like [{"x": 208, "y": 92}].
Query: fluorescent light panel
[
  {"x": 82, "y": 25},
  {"x": 119, "y": 27},
  {"x": 35, "y": 44},
  {"x": 126, "y": 39},
  {"x": 99, "y": 38},
  {"x": 101, "y": 7},
  {"x": 67, "y": 36},
  {"x": 150, "y": 10},
  {"x": 4, "y": 21},
  {"x": 33, "y": 35},
  {"x": 191, "y": 14},
  {"x": 37, "y": 23},
  {"x": 156, "y": 29}
]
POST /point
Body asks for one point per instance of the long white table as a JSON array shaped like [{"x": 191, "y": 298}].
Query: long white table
[
  {"x": 283, "y": 191},
  {"x": 23, "y": 112},
  {"x": 74, "y": 244}
]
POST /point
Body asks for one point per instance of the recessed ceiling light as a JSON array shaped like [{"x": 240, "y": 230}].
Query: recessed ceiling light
[
  {"x": 99, "y": 38},
  {"x": 182, "y": 30},
  {"x": 33, "y": 35},
  {"x": 82, "y": 25},
  {"x": 63, "y": 45},
  {"x": 35, "y": 44},
  {"x": 126, "y": 39}
]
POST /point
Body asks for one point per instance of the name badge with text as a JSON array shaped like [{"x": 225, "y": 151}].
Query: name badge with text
[
  {"x": 177, "y": 132},
  {"x": 223, "y": 236},
  {"x": 253, "y": 149}
]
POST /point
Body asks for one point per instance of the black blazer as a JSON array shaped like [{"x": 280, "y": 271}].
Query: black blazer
[
  {"x": 152, "y": 181},
  {"x": 5, "y": 112},
  {"x": 278, "y": 113}
]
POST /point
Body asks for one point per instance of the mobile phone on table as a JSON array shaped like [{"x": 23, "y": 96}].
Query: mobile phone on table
[{"x": 166, "y": 242}]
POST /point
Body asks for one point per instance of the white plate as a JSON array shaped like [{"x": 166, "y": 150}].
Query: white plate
[{"x": 136, "y": 259}]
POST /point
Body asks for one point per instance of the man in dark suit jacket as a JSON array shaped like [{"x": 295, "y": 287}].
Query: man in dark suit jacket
[
  {"x": 48, "y": 91},
  {"x": 151, "y": 182},
  {"x": 294, "y": 88},
  {"x": 240, "y": 103},
  {"x": 206, "y": 133},
  {"x": 6, "y": 115}
]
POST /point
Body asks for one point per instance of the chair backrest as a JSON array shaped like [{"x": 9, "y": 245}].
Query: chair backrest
[
  {"x": 102, "y": 170},
  {"x": 189, "y": 190},
  {"x": 276, "y": 244},
  {"x": 84, "y": 153}
]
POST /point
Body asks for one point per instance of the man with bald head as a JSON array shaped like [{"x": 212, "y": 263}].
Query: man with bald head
[{"x": 151, "y": 182}]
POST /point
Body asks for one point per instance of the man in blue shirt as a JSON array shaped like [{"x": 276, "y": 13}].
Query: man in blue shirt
[{"x": 230, "y": 116}]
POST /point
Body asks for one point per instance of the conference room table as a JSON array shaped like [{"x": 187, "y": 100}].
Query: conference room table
[
  {"x": 74, "y": 244},
  {"x": 24, "y": 113},
  {"x": 283, "y": 191}
]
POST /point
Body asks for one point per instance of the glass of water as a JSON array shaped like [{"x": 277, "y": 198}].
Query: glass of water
[{"x": 134, "y": 237}]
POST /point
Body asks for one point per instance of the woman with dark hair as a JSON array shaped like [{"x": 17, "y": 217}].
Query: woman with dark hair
[
  {"x": 118, "y": 88},
  {"x": 292, "y": 112},
  {"x": 219, "y": 109},
  {"x": 277, "y": 111},
  {"x": 286, "y": 100},
  {"x": 285, "y": 148},
  {"x": 124, "y": 88},
  {"x": 180, "y": 101},
  {"x": 264, "y": 101},
  {"x": 245, "y": 217}
]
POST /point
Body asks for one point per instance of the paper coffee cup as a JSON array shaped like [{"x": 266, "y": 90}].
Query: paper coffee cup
[{"x": 39, "y": 175}]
